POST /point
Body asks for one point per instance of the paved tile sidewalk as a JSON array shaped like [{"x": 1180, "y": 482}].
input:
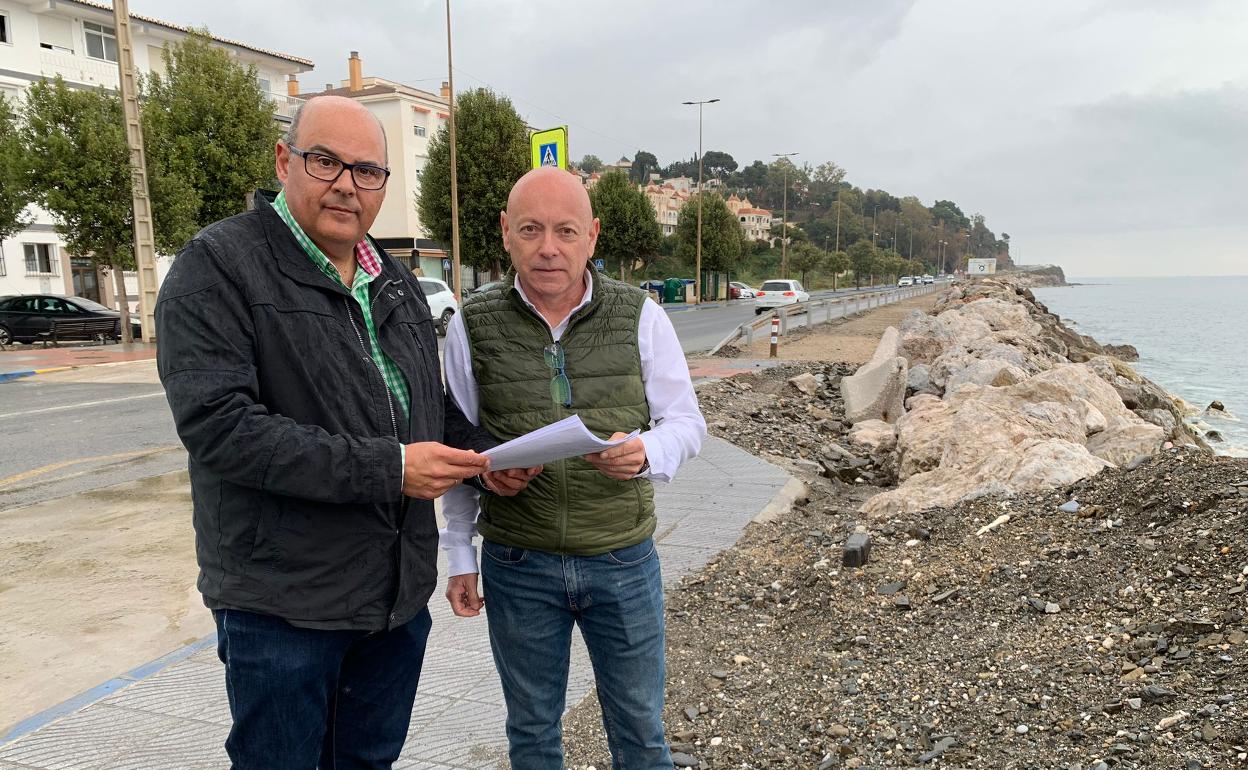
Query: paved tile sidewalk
[{"x": 177, "y": 718}]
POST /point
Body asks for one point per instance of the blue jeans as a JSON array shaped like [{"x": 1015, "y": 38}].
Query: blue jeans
[
  {"x": 305, "y": 698},
  {"x": 532, "y": 600}
]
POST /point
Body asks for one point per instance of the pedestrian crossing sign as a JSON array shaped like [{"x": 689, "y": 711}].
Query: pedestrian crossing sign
[{"x": 550, "y": 147}]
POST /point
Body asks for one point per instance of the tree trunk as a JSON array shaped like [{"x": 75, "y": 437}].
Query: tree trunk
[
  {"x": 496, "y": 270},
  {"x": 123, "y": 301},
  {"x": 834, "y": 281}
]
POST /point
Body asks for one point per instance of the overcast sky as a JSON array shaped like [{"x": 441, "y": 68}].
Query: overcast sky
[{"x": 1107, "y": 136}]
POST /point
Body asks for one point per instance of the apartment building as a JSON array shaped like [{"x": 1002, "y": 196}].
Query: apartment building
[{"x": 76, "y": 40}]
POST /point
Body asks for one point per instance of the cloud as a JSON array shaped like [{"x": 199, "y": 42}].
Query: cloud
[{"x": 1052, "y": 119}]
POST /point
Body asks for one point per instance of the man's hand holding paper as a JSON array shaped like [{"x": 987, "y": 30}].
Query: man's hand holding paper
[{"x": 622, "y": 461}]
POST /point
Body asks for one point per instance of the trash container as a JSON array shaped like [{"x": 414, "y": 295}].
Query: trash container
[{"x": 673, "y": 290}]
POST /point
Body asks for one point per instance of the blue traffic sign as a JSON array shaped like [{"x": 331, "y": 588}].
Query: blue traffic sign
[
  {"x": 601, "y": 264},
  {"x": 549, "y": 153}
]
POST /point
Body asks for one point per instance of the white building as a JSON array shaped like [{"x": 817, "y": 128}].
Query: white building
[
  {"x": 410, "y": 118},
  {"x": 75, "y": 39}
]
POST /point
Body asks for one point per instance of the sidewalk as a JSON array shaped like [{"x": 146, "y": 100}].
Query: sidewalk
[
  {"x": 172, "y": 714},
  {"x": 27, "y": 360}
]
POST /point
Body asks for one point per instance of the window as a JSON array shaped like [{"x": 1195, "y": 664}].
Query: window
[
  {"x": 420, "y": 130},
  {"x": 56, "y": 34},
  {"x": 101, "y": 41},
  {"x": 4, "y": 36},
  {"x": 41, "y": 259},
  {"x": 265, "y": 86}
]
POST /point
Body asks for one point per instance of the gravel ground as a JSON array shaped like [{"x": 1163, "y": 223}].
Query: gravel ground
[{"x": 1111, "y": 636}]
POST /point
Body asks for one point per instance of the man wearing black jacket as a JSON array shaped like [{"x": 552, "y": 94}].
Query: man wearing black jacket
[{"x": 302, "y": 370}]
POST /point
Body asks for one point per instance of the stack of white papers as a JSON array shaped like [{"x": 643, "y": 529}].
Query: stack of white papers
[{"x": 557, "y": 441}]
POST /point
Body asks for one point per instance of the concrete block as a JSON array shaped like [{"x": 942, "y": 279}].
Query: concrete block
[{"x": 877, "y": 391}]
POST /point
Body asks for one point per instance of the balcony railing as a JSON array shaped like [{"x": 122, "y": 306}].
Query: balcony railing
[
  {"x": 78, "y": 69},
  {"x": 284, "y": 107}
]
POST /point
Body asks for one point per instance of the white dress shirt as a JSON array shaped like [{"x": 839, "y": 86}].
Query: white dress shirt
[{"x": 675, "y": 437}]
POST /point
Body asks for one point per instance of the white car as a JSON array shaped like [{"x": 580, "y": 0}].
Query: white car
[
  {"x": 773, "y": 294},
  {"x": 743, "y": 291},
  {"x": 442, "y": 304},
  {"x": 928, "y": 279},
  {"x": 905, "y": 281}
]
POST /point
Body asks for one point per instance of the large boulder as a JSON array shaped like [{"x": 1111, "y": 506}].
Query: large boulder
[
  {"x": 1001, "y": 315},
  {"x": 877, "y": 437},
  {"x": 1033, "y": 465},
  {"x": 922, "y": 434},
  {"x": 991, "y": 371},
  {"x": 923, "y": 338},
  {"x": 1122, "y": 443}
]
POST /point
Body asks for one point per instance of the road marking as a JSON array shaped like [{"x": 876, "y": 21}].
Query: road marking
[
  {"x": 63, "y": 407},
  {"x": 24, "y": 475}
]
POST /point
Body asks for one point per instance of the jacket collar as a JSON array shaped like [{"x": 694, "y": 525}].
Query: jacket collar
[{"x": 291, "y": 258}]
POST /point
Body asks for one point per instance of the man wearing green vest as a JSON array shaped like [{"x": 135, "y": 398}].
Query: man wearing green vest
[{"x": 575, "y": 547}]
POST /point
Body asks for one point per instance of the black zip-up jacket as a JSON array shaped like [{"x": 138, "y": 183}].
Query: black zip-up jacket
[{"x": 292, "y": 433}]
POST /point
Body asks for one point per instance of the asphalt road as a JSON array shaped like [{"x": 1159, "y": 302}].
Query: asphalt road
[
  {"x": 71, "y": 432},
  {"x": 60, "y": 438},
  {"x": 700, "y": 329}
]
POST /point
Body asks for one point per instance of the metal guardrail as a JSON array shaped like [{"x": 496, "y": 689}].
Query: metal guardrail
[{"x": 843, "y": 307}]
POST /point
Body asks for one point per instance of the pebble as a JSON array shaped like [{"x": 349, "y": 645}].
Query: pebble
[
  {"x": 1070, "y": 507},
  {"x": 691, "y": 713},
  {"x": 715, "y": 741},
  {"x": 681, "y": 759},
  {"x": 1021, "y": 729}
]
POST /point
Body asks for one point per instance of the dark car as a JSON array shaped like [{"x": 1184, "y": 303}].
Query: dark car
[
  {"x": 23, "y": 318},
  {"x": 484, "y": 287}
]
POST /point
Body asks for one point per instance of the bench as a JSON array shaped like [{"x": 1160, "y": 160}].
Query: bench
[{"x": 80, "y": 329}]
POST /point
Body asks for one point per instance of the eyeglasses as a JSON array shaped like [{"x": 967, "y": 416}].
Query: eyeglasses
[
  {"x": 560, "y": 385},
  {"x": 327, "y": 168}
]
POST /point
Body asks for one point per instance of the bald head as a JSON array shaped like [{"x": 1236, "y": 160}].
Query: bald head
[
  {"x": 555, "y": 186},
  {"x": 331, "y": 107},
  {"x": 550, "y": 232}
]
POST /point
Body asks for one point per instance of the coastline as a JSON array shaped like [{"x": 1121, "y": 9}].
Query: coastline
[{"x": 1100, "y": 619}]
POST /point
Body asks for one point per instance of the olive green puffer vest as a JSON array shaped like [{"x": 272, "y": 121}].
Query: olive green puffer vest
[{"x": 571, "y": 507}]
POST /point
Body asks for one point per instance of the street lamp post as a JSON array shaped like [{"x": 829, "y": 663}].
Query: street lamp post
[
  {"x": 456, "y": 278},
  {"x": 697, "y": 270},
  {"x": 784, "y": 218}
]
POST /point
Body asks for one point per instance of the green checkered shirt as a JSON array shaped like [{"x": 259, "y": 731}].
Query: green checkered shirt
[{"x": 359, "y": 290}]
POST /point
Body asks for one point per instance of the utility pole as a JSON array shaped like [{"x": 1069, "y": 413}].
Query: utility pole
[
  {"x": 456, "y": 278},
  {"x": 697, "y": 283},
  {"x": 784, "y": 218},
  {"x": 144, "y": 234}
]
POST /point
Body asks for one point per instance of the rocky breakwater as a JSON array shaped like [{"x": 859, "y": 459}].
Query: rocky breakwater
[{"x": 990, "y": 394}]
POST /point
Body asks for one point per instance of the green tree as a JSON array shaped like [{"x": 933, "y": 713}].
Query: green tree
[
  {"x": 862, "y": 256},
  {"x": 13, "y": 194},
  {"x": 630, "y": 234},
  {"x": 722, "y": 241},
  {"x": 717, "y": 164},
  {"x": 805, "y": 257},
  {"x": 837, "y": 262},
  {"x": 644, "y": 164},
  {"x": 210, "y": 128},
  {"x": 79, "y": 171},
  {"x": 492, "y": 151},
  {"x": 590, "y": 164}
]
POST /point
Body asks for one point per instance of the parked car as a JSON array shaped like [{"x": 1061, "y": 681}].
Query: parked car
[
  {"x": 773, "y": 294},
  {"x": 738, "y": 290},
  {"x": 24, "y": 317},
  {"x": 652, "y": 285},
  {"x": 442, "y": 304},
  {"x": 905, "y": 280},
  {"x": 484, "y": 287}
]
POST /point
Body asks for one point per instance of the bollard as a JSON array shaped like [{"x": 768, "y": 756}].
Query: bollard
[{"x": 775, "y": 336}]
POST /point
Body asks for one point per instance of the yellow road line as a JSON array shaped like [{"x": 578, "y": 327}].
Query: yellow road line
[{"x": 24, "y": 475}]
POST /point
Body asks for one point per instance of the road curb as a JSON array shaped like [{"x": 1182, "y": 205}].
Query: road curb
[
  {"x": 792, "y": 491},
  {"x": 101, "y": 691},
  {"x": 8, "y": 376}
]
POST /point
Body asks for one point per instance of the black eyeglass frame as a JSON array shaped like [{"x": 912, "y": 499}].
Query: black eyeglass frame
[{"x": 343, "y": 166}]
